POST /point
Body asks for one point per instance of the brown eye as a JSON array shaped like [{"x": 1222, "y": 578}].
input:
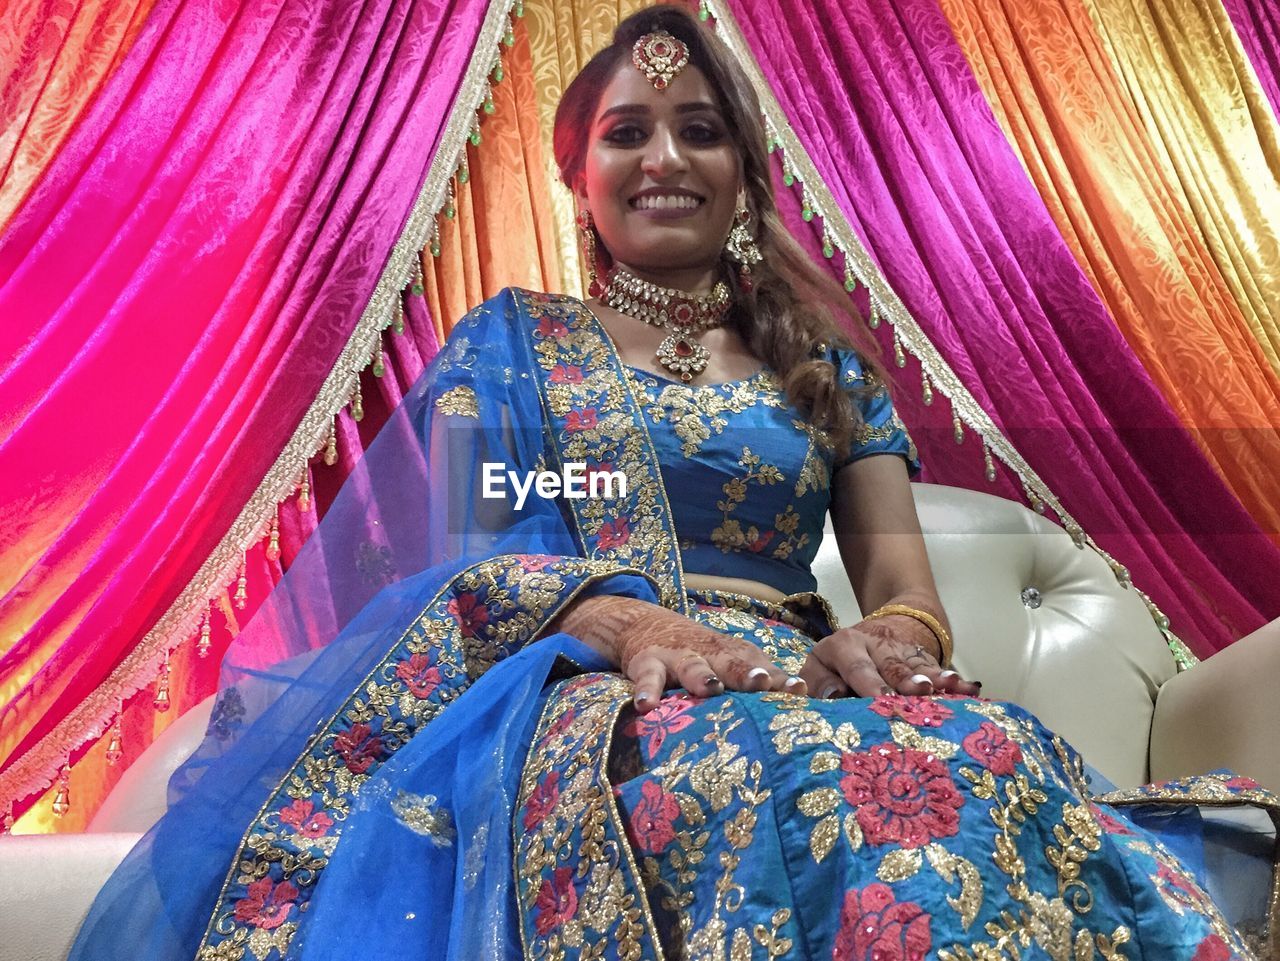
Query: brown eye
[
  {"x": 703, "y": 133},
  {"x": 625, "y": 134}
]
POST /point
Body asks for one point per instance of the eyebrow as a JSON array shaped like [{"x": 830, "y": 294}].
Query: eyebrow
[{"x": 693, "y": 106}]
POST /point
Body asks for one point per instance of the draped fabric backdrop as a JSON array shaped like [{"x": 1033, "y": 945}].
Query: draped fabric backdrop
[
  {"x": 191, "y": 272},
  {"x": 892, "y": 116},
  {"x": 1122, "y": 213},
  {"x": 193, "y": 262},
  {"x": 54, "y": 57},
  {"x": 1200, "y": 104},
  {"x": 1257, "y": 22}
]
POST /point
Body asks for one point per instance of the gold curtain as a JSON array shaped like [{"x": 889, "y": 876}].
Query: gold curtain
[
  {"x": 564, "y": 35},
  {"x": 502, "y": 232},
  {"x": 1126, "y": 214},
  {"x": 1202, "y": 106},
  {"x": 54, "y": 57}
]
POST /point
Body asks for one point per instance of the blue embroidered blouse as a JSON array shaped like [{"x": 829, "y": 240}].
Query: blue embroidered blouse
[{"x": 748, "y": 479}]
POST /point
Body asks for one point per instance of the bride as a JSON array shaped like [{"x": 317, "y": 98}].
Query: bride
[{"x": 624, "y": 725}]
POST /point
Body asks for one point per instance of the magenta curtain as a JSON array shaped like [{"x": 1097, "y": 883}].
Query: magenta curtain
[
  {"x": 1257, "y": 23},
  {"x": 175, "y": 291},
  {"x": 881, "y": 96}
]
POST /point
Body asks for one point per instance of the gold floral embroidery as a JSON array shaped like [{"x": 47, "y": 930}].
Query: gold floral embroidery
[
  {"x": 572, "y": 745},
  {"x": 475, "y": 619},
  {"x": 422, "y": 814},
  {"x": 460, "y": 401},
  {"x": 595, "y": 418},
  {"x": 697, "y": 412},
  {"x": 729, "y": 535}
]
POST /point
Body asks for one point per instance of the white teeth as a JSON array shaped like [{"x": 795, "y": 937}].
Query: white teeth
[{"x": 666, "y": 201}]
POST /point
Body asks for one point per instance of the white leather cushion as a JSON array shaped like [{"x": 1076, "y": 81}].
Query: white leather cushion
[
  {"x": 47, "y": 883},
  {"x": 140, "y": 797},
  {"x": 1088, "y": 661}
]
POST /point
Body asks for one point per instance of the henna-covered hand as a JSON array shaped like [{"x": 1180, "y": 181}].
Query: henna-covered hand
[
  {"x": 882, "y": 656},
  {"x": 659, "y": 648}
]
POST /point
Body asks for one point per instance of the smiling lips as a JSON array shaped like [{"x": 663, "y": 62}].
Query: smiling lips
[{"x": 667, "y": 204}]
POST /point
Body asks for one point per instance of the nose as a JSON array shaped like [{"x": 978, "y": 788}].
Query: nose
[{"x": 664, "y": 154}]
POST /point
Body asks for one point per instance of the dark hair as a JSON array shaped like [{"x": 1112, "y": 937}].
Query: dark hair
[{"x": 791, "y": 309}]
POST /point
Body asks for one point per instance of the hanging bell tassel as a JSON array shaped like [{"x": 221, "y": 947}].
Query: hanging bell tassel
[
  {"x": 331, "y": 447},
  {"x": 957, "y": 428},
  {"x": 450, "y": 203},
  {"x": 1034, "y": 500},
  {"x": 115, "y": 745},
  {"x": 6, "y": 826},
  {"x": 873, "y": 319},
  {"x": 273, "y": 539},
  {"x": 899, "y": 356},
  {"x": 989, "y": 466},
  {"x": 304, "y": 494},
  {"x": 357, "y": 403},
  {"x": 161, "y": 702},
  {"x": 205, "y": 642},
  {"x": 242, "y": 586},
  {"x": 926, "y": 390},
  {"x": 62, "y": 798}
]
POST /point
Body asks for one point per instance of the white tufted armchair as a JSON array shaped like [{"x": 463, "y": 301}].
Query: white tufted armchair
[{"x": 1039, "y": 621}]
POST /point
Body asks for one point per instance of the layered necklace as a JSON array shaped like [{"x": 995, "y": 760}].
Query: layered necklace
[{"x": 683, "y": 315}]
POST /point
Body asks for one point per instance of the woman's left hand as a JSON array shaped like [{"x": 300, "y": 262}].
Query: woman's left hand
[{"x": 875, "y": 657}]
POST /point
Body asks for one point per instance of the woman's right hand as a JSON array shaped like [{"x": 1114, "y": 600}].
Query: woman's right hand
[{"x": 659, "y": 648}]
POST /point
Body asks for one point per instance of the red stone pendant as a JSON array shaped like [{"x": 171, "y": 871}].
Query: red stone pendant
[{"x": 683, "y": 356}]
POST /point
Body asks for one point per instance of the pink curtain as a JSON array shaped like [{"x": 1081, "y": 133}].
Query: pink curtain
[
  {"x": 175, "y": 291},
  {"x": 1257, "y": 22},
  {"x": 882, "y": 98}
]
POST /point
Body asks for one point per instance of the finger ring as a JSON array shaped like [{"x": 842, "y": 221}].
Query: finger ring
[{"x": 685, "y": 660}]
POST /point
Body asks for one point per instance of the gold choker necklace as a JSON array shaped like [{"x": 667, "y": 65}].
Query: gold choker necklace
[{"x": 684, "y": 315}]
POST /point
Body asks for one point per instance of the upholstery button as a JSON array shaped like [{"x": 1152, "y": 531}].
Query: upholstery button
[{"x": 1030, "y": 598}]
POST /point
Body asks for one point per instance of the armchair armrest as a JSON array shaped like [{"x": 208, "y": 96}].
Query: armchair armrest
[
  {"x": 49, "y": 882},
  {"x": 1223, "y": 713}
]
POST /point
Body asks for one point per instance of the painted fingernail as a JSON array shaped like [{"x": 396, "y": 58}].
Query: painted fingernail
[
  {"x": 887, "y": 690},
  {"x": 828, "y": 692},
  {"x": 794, "y": 684},
  {"x": 712, "y": 681},
  {"x": 977, "y": 684},
  {"x": 757, "y": 674},
  {"x": 947, "y": 676},
  {"x": 643, "y": 697}
]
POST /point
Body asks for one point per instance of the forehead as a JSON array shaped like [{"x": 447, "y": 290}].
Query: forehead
[{"x": 629, "y": 87}]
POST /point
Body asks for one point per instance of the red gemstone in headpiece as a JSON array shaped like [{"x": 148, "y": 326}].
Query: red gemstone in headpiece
[{"x": 660, "y": 57}]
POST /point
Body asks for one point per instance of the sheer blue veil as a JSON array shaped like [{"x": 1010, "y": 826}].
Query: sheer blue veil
[{"x": 411, "y": 521}]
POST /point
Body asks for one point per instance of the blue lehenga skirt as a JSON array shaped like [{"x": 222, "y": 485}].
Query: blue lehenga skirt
[
  {"x": 775, "y": 826},
  {"x": 538, "y": 817}
]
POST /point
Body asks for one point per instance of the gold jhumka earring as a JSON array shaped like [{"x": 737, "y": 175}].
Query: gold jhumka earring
[
  {"x": 740, "y": 246},
  {"x": 587, "y": 234}
]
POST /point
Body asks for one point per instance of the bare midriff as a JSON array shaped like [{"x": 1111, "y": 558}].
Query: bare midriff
[{"x": 734, "y": 585}]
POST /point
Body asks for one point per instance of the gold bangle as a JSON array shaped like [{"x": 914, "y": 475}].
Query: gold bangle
[{"x": 925, "y": 618}]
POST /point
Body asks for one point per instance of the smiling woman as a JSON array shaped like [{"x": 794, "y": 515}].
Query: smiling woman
[{"x": 484, "y": 764}]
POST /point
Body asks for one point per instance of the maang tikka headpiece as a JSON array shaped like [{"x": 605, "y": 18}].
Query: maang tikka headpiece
[{"x": 660, "y": 57}]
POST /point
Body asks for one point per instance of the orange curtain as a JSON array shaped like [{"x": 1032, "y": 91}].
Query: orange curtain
[
  {"x": 1070, "y": 117},
  {"x": 54, "y": 57}
]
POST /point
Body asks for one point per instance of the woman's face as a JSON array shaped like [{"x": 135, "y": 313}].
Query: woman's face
[{"x": 662, "y": 174}]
